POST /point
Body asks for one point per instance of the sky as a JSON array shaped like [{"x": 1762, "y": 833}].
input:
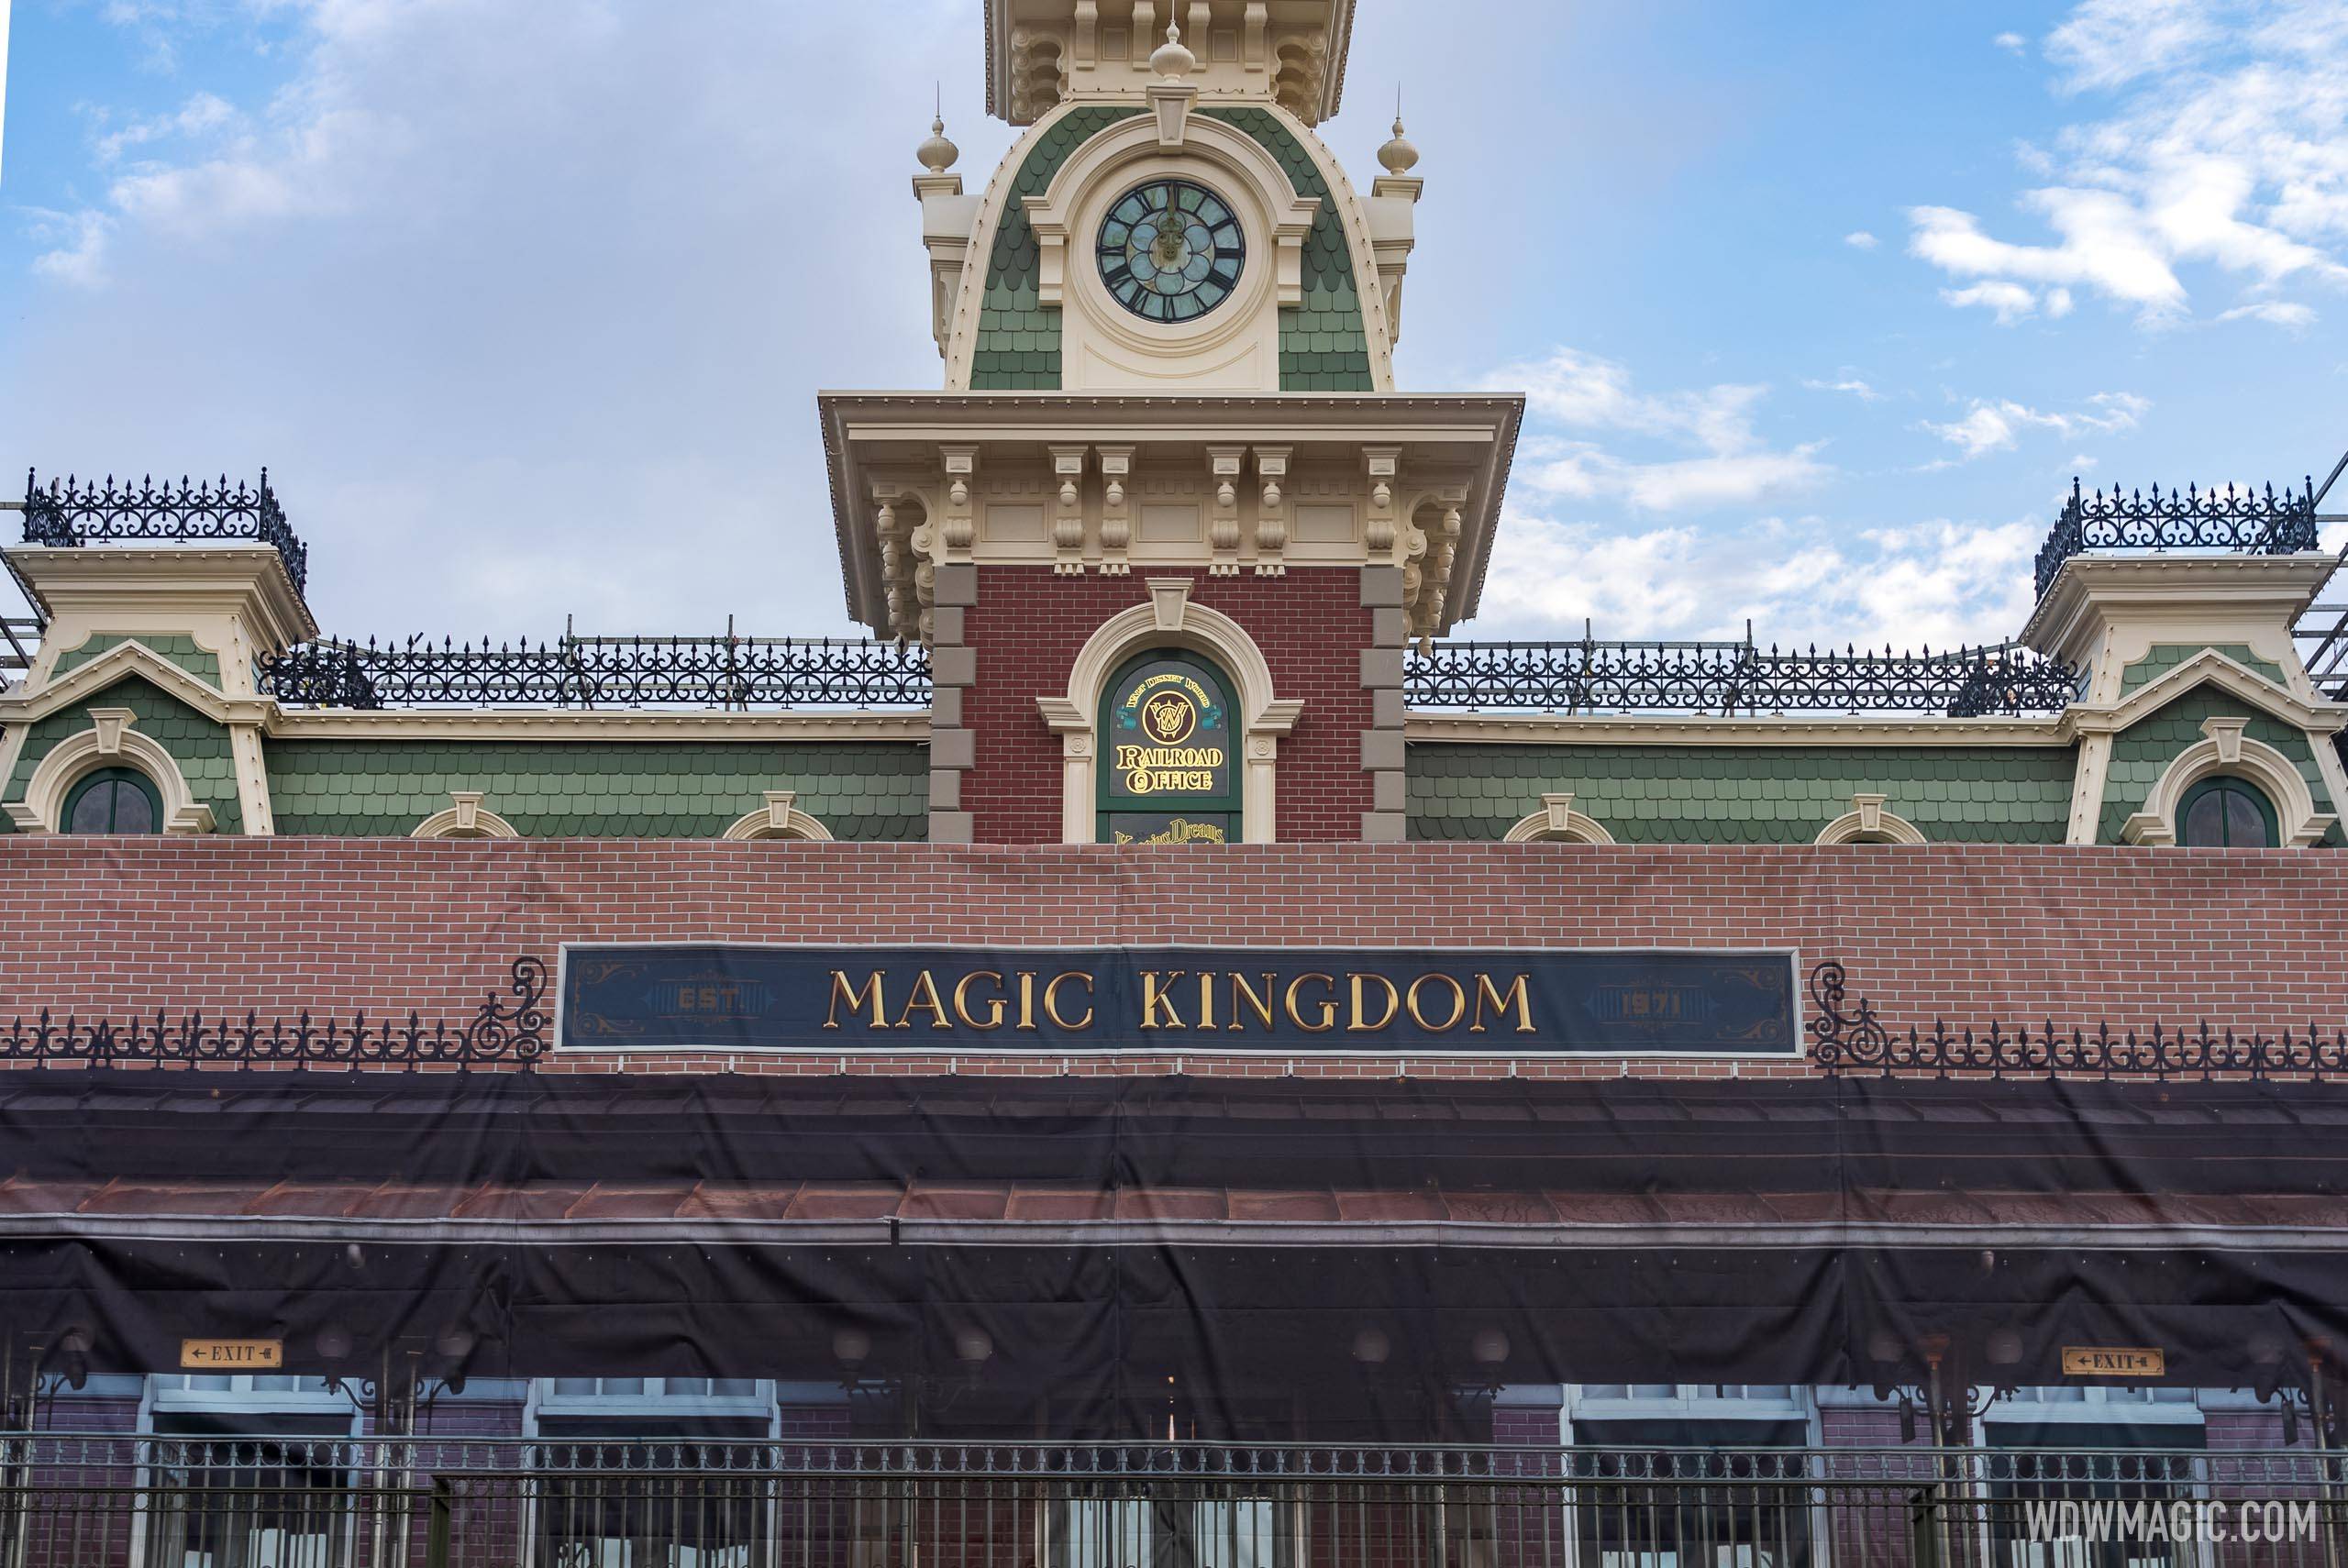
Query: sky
[{"x": 1819, "y": 305}]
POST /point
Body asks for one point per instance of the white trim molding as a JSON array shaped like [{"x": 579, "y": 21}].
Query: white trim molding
[
  {"x": 2223, "y": 749},
  {"x": 1557, "y": 823},
  {"x": 465, "y": 818},
  {"x": 1868, "y": 823},
  {"x": 109, "y": 742},
  {"x": 779, "y": 817},
  {"x": 1171, "y": 619}
]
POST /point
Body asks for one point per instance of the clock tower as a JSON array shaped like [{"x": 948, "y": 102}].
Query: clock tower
[{"x": 1169, "y": 441}]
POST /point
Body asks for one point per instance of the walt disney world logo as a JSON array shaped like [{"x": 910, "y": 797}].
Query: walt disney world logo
[{"x": 1177, "y": 725}]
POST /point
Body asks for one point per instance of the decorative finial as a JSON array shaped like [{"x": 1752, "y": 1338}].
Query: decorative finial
[
  {"x": 938, "y": 154},
  {"x": 1398, "y": 156},
  {"x": 1171, "y": 59}
]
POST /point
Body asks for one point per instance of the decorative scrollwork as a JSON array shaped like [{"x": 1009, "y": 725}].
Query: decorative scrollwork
[
  {"x": 726, "y": 672},
  {"x": 1843, "y": 1039},
  {"x": 69, "y": 512},
  {"x": 1734, "y": 677},
  {"x": 1849, "y": 1038},
  {"x": 500, "y": 1034},
  {"x": 2249, "y": 523}
]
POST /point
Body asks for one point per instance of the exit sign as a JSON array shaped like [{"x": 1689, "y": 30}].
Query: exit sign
[
  {"x": 2113, "y": 1361},
  {"x": 232, "y": 1355}
]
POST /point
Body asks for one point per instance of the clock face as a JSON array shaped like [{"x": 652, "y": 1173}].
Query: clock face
[{"x": 1170, "y": 250}]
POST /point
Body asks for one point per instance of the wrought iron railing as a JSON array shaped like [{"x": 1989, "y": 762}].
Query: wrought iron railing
[
  {"x": 322, "y": 1503},
  {"x": 73, "y": 512},
  {"x": 1846, "y": 1036},
  {"x": 1731, "y": 679},
  {"x": 500, "y": 1035},
  {"x": 2247, "y": 521},
  {"x": 722, "y": 671}
]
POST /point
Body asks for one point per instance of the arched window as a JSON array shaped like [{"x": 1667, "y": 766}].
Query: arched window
[
  {"x": 2222, "y": 811},
  {"x": 1169, "y": 765},
  {"x": 113, "y": 800}
]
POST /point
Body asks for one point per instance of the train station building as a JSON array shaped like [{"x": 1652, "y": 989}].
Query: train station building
[{"x": 1170, "y": 1050}]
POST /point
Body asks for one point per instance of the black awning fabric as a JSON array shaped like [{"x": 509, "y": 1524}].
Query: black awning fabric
[
  {"x": 1630, "y": 1135},
  {"x": 149, "y": 1208}
]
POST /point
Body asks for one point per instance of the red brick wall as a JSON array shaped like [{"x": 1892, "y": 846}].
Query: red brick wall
[
  {"x": 1028, "y": 626},
  {"x": 1961, "y": 932}
]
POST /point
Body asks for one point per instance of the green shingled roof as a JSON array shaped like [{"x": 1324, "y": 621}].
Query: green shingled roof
[
  {"x": 177, "y": 647},
  {"x": 2144, "y": 751},
  {"x": 1778, "y": 794},
  {"x": 1018, "y": 346},
  {"x": 858, "y": 791},
  {"x": 1323, "y": 345},
  {"x": 2161, "y": 658},
  {"x": 201, "y": 747}
]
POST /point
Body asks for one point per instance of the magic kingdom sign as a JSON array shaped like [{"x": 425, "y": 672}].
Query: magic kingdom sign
[{"x": 1289, "y": 1000}]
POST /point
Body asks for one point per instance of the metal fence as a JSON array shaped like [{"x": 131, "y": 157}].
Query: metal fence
[
  {"x": 73, "y": 511},
  {"x": 722, "y": 671},
  {"x": 1732, "y": 679},
  {"x": 2248, "y": 523},
  {"x": 649, "y": 1503}
]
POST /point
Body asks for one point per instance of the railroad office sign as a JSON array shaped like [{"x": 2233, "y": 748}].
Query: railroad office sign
[{"x": 1289, "y": 1000}]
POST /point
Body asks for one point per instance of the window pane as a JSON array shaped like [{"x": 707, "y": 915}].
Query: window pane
[
  {"x": 93, "y": 812},
  {"x": 2246, "y": 824},
  {"x": 733, "y": 1387},
  {"x": 132, "y": 814},
  {"x": 2204, "y": 823},
  {"x": 574, "y": 1388}
]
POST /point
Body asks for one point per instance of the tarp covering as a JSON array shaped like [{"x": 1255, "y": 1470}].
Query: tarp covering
[{"x": 1372, "y": 1252}]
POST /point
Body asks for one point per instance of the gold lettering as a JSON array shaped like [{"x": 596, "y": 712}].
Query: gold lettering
[
  {"x": 994, "y": 1004},
  {"x": 1458, "y": 1002},
  {"x": 1328, "y": 1007},
  {"x": 926, "y": 999},
  {"x": 1394, "y": 1001},
  {"x": 1153, "y": 996},
  {"x": 1051, "y": 1000},
  {"x": 1485, "y": 991},
  {"x": 856, "y": 997},
  {"x": 1260, "y": 1005},
  {"x": 1206, "y": 999},
  {"x": 1027, "y": 1000}
]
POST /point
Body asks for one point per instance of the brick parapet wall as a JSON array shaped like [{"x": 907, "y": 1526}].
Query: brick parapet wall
[
  {"x": 1028, "y": 625},
  {"x": 115, "y": 927}
]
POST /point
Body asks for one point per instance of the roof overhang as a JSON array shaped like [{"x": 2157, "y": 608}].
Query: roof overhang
[
  {"x": 1332, "y": 18},
  {"x": 867, "y": 430}
]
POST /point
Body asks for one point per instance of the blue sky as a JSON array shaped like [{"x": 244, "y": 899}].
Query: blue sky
[{"x": 1820, "y": 304}]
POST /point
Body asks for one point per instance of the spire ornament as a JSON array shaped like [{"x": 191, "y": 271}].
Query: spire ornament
[
  {"x": 1399, "y": 155},
  {"x": 937, "y": 153},
  {"x": 1172, "y": 59}
]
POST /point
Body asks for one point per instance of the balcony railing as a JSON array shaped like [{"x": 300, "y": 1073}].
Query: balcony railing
[
  {"x": 1732, "y": 679},
  {"x": 2249, "y": 522},
  {"x": 720, "y": 671},
  {"x": 72, "y": 512},
  {"x": 309, "y": 1503}
]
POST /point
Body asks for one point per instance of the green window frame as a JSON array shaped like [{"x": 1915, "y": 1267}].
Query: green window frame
[
  {"x": 2218, "y": 811},
  {"x": 1185, "y": 817},
  {"x": 104, "y": 792}
]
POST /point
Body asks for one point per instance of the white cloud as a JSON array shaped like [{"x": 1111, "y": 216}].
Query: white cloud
[
  {"x": 202, "y": 115},
  {"x": 2012, "y": 43},
  {"x": 77, "y": 255},
  {"x": 1996, "y": 425},
  {"x": 1859, "y": 238},
  {"x": 1849, "y": 383},
  {"x": 2010, "y": 301},
  {"x": 2224, "y": 145},
  {"x": 1722, "y": 459},
  {"x": 1937, "y": 583},
  {"x": 2280, "y": 312}
]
